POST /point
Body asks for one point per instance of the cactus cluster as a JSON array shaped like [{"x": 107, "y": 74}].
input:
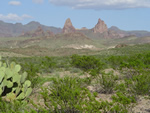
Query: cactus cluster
[{"x": 13, "y": 85}]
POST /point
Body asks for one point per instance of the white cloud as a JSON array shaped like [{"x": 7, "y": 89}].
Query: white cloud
[
  {"x": 38, "y": 1},
  {"x": 102, "y": 4},
  {"x": 14, "y": 17},
  {"x": 16, "y": 3}
]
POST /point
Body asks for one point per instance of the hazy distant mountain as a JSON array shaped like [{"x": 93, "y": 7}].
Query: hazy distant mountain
[
  {"x": 137, "y": 33},
  {"x": 13, "y": 30},
  {"x": 99, "y": 31}
]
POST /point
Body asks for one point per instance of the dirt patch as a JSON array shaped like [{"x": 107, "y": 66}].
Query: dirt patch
[
  {"x": 142, "y": 106},
  {"x": 75, "y": 46}
]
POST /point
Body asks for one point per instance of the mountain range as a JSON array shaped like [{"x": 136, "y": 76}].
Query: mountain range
[
  {"x": 33, "y": 29},
  {"x": 15, "y": 30},
  {"x": 36, "y": 35}
]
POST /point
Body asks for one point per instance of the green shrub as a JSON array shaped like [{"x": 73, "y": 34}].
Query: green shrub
[
  {"x": 106, "y": 82},
  {"x": 121, "y": 88},
  {"x": 86, "y": 63},
  {"x": 47, "y": 64},
  {"x": 122, "y": 102},
  {"x": 116, "y": 61},
  {"x": 13, "y": 107},
  {"x": 123, "y": 99},
  {"x": 16, "y": 106},
  {"x": 141, "y": 84},
  {"x": 32, "y": 69},
  {"x": 67, "y": 95}
]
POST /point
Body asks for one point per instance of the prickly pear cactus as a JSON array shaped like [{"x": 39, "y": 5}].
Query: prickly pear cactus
[{"x": 13, "y": 84}]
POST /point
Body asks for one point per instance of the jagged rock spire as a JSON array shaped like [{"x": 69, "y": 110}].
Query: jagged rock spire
[
  {"x": 68, "y": 27},
  {"x": 100, "y": 27}
]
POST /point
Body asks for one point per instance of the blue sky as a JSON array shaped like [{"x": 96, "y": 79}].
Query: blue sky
[{"x": 125, "y": 14}]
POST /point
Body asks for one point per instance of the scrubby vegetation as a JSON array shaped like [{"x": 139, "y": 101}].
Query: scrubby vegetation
[{"x": 80, "y": 86}]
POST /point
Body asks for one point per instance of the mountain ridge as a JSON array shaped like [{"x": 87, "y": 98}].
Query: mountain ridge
[{"x": 15, "y": 30}]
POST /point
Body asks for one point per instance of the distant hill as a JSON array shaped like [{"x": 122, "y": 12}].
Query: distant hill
[
  {"x": 14, "y": 30},
  {"x": 70, "y": 40},
  {"x": 137, "y": 33}
]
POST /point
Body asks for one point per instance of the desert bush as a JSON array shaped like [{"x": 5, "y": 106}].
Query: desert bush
[
  {"x": 67, "y": 95},
  {"x": 141, "y": 84},
  {"x": 47, "y": 64},
  {"x": 86, "y": 63},
  {"x": 138, "y": 61},
  {"x": 115, "y": 61},
  {"x": 122, "y": 102},
  {"x": 123, "y": 98},
  {"x": 106, "y": 82},
  {"x": 121, "y": 87},
  {"x": 13, "y": 107},
  {"x": 16, "y": 106},
  {"x": 32, "y": 69}
]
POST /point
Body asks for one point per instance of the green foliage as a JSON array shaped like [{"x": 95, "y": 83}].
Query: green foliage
[
  {"x": 32, "y": 70},
  {"x": 15, "y": 106},
  {"x": 67, "y": 95},
  {"x": 138, "y": 61},
  {"x": 47, "y": 64},
  {"x": 123, "y": 99},
  {"x": 33, "y": 66},
  {"x": 121, "y": 88},
  {"x": 141, "y": 84},
  {"x": 89, "y": 64},
  {"x": 122, "y": 102},
  {"x": 106, "y": 82},
  {"x": 13, "y": 85},
  {"x": 86, "y": 63},
  {"x": 115, "y": 61}
]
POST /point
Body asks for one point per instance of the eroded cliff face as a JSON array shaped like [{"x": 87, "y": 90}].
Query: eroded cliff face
[
  {"x": 100, "y": 27},
  {"x": 39, "y": 32},
  {"x": 68, "y": 27}
]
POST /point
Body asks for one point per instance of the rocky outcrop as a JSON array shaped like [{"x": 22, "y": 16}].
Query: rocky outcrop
[
  {"x": 49, "y": 33},
  {"x": 114, "y": 34},
  {"x": 68, "y": 27},
  {"x": 38, "y": 32},
  {"x": 100, "y": 27},
  {"x": 26, "y": 34},
  {"x": 120, "y": 45}
]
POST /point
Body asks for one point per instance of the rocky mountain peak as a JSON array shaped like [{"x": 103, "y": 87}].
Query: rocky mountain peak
[
  {"x": 68, "y": 27},
  {"x": 38, "y": 32},
  {"x": 100, "y": 27}
]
